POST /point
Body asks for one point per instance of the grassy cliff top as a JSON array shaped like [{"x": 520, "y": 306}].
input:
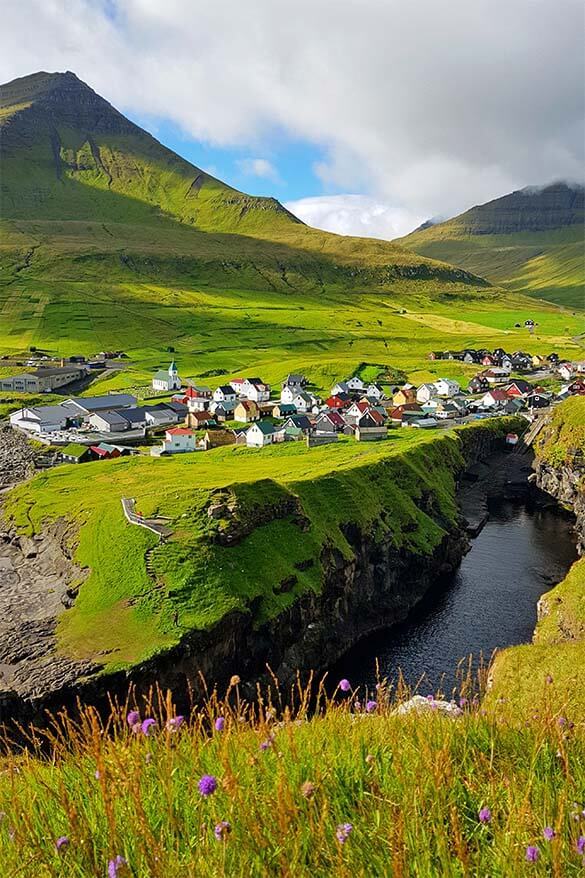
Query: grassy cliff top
[
  {"x": 564, "y": 436},
  {"x": 283, "y": 503}
]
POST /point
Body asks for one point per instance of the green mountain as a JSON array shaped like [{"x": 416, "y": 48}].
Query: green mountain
[
  {"x": 82, "y": 180},
  {"x": 532, "y": 241}
]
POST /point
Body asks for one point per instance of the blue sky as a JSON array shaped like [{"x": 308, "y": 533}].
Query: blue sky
[{"x": 293, "y": 161}]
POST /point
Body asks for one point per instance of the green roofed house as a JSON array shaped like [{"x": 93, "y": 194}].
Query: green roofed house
[
  {"x": 76, "y": 453},
  {"x": 168, "y": 380},
  {"x": 260, "y": 434}
]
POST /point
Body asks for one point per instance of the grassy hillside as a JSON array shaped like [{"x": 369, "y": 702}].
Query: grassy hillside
[
  {"x": 344, "y": 793},
  {"x": 124, "y": 613},
  {"x": 531, "y": 242}
]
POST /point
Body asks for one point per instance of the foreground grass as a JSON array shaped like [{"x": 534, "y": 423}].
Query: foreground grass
[{"x": 410, "y": 787}]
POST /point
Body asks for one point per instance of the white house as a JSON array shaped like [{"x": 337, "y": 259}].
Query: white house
[
  {"x": 168, "y": 380},
  {"x": 257, "y": 391},
  {"x": 447, "y": 388},
  {"x": 340, "y": 387},
  {"x": 41, "y": 419},
  {"x": 355, "y": 383},
  {"x": 260, "y": 434},
  {"x": 303, "y": 402},
  {"x": 178, "y": 440},
  {"x": 375, "y": 390},
  {"x": 288, "y": 393},
  {"x": 108, "y": 422},
  {"x": 426, "y": 392},
  {"x": 224, "y": 393},
  {"x": 566, "y": 371},
  {"x": 496, "y": 375}
]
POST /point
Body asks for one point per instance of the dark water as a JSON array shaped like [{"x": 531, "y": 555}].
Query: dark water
[{"x": 489, "y": 602}]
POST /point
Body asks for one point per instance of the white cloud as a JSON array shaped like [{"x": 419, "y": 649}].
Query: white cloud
[
  {"x": 355, "y": 215},
  {"x": 432, "y": 105},
  {"x": 258, "y": 168}
]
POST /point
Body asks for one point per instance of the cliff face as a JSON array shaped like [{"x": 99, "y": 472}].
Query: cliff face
[
  {"x": 566, "y": 483},
  {"x": 373, "y": 587}
]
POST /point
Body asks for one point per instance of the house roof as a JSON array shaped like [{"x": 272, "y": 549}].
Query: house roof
[
  {"x": 75, "y": 450},
  {"x": 226, "y": 388},
  {"x": 266, "y": 427},
  {"x": 498, "y": 394},
  {"x": 133, "y": 416},
  {"x": 286, "y": 407},
  {"x": 98, "y": 403},
  {"x": 110, "y": 417},
  {"x": 294, "y": 378},
  {"x": 301, "y": 421},
  {"x": 161, "y": 375},
  {"x": 180, "y": 431},
  {"x": 335, "y": 402},
  {"x": 333, "y": 416},
  {"x": 247, "y": 404}
]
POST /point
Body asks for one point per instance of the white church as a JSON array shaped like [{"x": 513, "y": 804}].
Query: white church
[{"x": 168, "y": 380}]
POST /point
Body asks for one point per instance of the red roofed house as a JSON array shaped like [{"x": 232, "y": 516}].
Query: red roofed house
[
  {"x": 397, "y": 414},
  {"x": 329, "y": 422},
  {"x": 337, "y": 403},
  {"x": 519, "y": 387},
  {"x": 177, "y": 440},
  {"x": 495, "y": 398}
]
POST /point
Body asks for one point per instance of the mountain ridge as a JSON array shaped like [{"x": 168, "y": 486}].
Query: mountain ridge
[{"x": 531, "y": 240}]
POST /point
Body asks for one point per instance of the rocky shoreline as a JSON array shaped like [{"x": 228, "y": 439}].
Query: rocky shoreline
[{"x": 377, "y": 588}]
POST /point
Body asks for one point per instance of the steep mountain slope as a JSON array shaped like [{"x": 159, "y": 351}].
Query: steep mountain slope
[
  {"x": 72, "y": 164},
  {"x": 532, "y": 240}
]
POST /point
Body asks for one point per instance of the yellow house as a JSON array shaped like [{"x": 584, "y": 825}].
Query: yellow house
[
  {"x": 246, "y": 411},
  {"x": 404, "y": 396}
]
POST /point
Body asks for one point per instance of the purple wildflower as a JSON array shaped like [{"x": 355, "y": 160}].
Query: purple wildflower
[
  {"x": 133, "y": 718},
  {"x": 580, "y": 846},
  {"x": 222, "y": 830},
  {"x": 358, "y": 705},
  {"x": 485, "y": 815},
  {"x": 62, "y": 843},
  {"x": 219, "y": 724},
  {"x": 548, "y": 833},
  {"x": 344, "y": 685},
  {"x": 265, "y": 745},
  {"x": 371, "y": 706},
  {"x": 175, "y": 723},
  {"x": 342, "y": 832},
  {"x": 115, "y": 865},
  {"x": 463, "y": 702},
  {"x": 549, "y": 679},
  {"x": 148, "y": 726},
  {"x": 532, "y": 853},
  {"x": 207, "y": 785},
  {"x": 562, "y": 721}
]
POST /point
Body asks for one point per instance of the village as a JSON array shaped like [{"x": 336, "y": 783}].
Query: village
[{"x": 246, "y": 411}]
